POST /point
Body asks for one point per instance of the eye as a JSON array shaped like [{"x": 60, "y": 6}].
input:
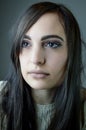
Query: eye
[
  {"x": 52, "y": 44},
  {"x": 25, "y": 44}
]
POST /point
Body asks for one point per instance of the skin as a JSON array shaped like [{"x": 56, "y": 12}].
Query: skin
[{"x": 43, "y": 57}]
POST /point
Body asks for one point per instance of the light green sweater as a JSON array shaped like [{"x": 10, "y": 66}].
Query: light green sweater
[{"x": 44, "y": 115}]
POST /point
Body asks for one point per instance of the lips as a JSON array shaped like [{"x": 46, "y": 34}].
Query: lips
[{"x": 38, "y": 74}]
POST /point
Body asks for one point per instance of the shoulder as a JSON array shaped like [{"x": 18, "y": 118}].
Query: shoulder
[
  {"x": 2, "y": 85},
  {"x": 3, "y": 90}
]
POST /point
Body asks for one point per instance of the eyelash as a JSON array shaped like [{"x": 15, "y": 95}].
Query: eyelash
[
  {"x": 25, "y": 44},
  {"x": 51, "y": 44}
]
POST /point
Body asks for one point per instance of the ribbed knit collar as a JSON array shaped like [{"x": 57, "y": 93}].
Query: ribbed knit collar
[{"x": 45, "y": 113}]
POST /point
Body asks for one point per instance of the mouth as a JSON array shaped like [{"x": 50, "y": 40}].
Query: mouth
[{"x": 38, "y": 74}]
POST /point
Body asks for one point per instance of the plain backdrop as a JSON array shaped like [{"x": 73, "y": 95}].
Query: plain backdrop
[{"x": 10, "y": 10}]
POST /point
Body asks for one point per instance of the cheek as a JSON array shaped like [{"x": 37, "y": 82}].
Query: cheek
[
  {"x": 58, "y": 61},
  {"x": 59, "y": 68},
  {"x": 23, "y": 58},
  {"x": 23, "y": 63}
]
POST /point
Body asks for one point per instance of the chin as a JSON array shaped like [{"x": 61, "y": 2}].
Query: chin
[{"x": 38, "y": 86}]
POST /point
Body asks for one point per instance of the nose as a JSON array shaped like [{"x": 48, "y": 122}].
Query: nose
[{"x": 37, "y": 56}]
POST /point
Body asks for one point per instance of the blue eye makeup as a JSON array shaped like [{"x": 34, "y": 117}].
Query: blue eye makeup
[
  {"x": 52, "y": 44},
  {"x": 25, "y": 44}
]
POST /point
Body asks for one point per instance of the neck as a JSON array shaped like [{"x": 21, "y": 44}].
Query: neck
[{"x": 43, "y": 96}]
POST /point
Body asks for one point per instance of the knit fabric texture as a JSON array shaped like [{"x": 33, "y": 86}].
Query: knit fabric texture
[{"x": 45, "y": 113}]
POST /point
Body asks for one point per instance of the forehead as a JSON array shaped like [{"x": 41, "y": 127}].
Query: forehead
[{"x": 47, "y": 24}]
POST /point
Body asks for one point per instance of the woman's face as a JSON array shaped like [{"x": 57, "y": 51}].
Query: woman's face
[{"x": 43, "y": 57}]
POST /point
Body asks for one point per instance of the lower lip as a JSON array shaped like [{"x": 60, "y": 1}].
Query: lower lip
[{"x": 39, "y": 76}]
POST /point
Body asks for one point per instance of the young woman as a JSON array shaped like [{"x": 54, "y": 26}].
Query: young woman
[{"x": 43, "y": 89}]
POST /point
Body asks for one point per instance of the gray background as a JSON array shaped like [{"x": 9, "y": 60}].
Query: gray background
[{"x": 10, "y": 10}]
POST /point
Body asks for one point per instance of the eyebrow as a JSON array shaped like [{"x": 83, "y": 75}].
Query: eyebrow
[
  {"x": 26, "y": 36},
  {"x": 51, "y": 36},
  {"x": 46, "y": 37}
]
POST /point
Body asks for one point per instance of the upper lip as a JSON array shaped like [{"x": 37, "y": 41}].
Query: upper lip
[{"x": 38, "y": 72}]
